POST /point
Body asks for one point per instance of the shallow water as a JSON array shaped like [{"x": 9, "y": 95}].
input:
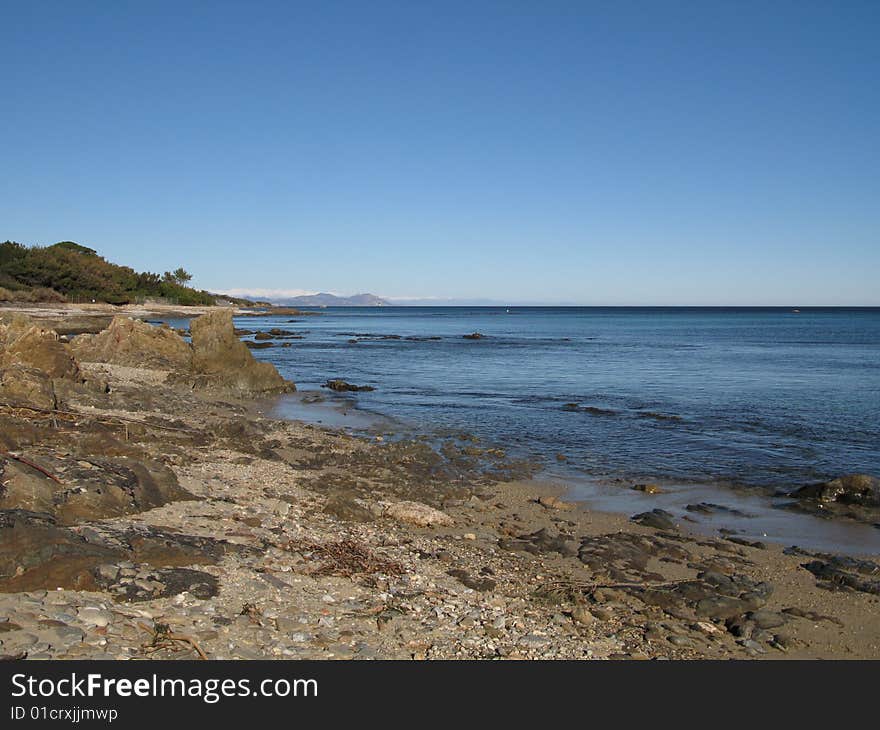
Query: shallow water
[
  {"x": 749, "y": 514},
  {"x": 729, "y": 396}
]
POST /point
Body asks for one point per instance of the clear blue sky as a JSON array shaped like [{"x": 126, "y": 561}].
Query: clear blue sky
[{"x": 596, "y": 153}]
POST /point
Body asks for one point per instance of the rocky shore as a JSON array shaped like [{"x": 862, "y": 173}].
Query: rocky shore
[{"x": 148, "y": 509}]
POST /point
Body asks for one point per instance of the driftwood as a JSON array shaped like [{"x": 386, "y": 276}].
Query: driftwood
[
  {"x": 21, "y": 459},
  {"x": 164, "y": 638}
]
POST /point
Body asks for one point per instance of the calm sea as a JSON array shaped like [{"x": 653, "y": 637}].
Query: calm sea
[{"x": 772, "y": 398}]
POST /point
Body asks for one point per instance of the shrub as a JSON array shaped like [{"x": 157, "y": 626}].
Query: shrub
[{"x": 45, "y": 294}]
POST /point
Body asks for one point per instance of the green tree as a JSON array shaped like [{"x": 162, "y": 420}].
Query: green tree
[{"x": 181, "y": 276}]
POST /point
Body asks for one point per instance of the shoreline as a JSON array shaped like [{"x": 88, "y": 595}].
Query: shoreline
[
  {"x": 702, "y": 509},
  {"x": 254, "y": 537}
]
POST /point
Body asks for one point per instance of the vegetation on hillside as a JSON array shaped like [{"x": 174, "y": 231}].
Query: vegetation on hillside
[{"x": 68, "y": 271}]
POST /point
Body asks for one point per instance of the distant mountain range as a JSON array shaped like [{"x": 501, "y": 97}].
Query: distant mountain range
[{"x": 324, "y": 299}]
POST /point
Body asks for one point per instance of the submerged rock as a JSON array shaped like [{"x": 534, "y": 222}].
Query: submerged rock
[
  {"x": 474, "y": 336},
  {"x": 659, "y": 519},
  {"x": 857, "y": 489},
  {"x": 341, "y": 386}
]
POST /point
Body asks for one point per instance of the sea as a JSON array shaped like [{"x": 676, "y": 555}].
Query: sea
[{"x": 733, "y": 407}]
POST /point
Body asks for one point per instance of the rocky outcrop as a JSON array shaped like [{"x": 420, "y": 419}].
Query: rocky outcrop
[
  {"x": 853, "y": 489},
  {"x": 33, "y": 361},
  {"x": 24, "y": 386},
  {"x": 133, "y": 343},
  {"x": 222, "y": 361},
  {"x": 216, "y": 359},
  {"x": 40, "y": 349},
  {"x": 73, "y": 489},
  {"x": 36, "y": 553}
]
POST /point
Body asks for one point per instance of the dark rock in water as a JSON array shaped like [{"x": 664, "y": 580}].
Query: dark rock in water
[
  {"x": 658, "y": 518},
  {"x": 262, "y": 336},
  {"x": 757, "y": 544},
  {"x": 342, "y": 386},
  {"x": 474, "y": 336},
  {"x": 857, "y": 489},
  {"x": 258, "y": 345},
  {"x": 709, "y": 508},
  {"x": 592, "y": 410},
  {"x": 658, "y": 416}
]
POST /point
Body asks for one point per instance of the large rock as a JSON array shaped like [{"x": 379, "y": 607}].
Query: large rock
[
  {"x": 86, "y": 488},
  {"x": 854, "y": 489},
  {"x": 416, "y": 513},
  {"x": 40, "y": 349},
  {"x": 225, "y": 361},
  {"x": 25, "y": 386},
  {"x": 134, "y": 343}
]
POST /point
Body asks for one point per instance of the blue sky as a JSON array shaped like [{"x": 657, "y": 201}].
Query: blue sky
[{"x": 594, "y": 153}]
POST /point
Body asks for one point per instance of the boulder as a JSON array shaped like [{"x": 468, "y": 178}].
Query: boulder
[
  {"x": 87, "y": 488},
  {"x": 22, "y": 385},
  {"x": 416, "y": 513},
  {"x": 134, "y": 343},
  {"x": 40, "y": 349},
  {"x": 226, "y": 362},
  {"x": 659, "y": 519},
  {"x": 857, "y": 489}
]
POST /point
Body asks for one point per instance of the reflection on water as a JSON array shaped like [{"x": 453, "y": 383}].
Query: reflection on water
[{"x": 750, "y": 515}]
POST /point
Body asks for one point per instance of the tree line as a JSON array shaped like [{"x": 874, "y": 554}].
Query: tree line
[{"x": 70, "y": 271}]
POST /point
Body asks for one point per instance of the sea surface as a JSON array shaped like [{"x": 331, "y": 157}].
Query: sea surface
[{"x": 693, "y": 398}]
